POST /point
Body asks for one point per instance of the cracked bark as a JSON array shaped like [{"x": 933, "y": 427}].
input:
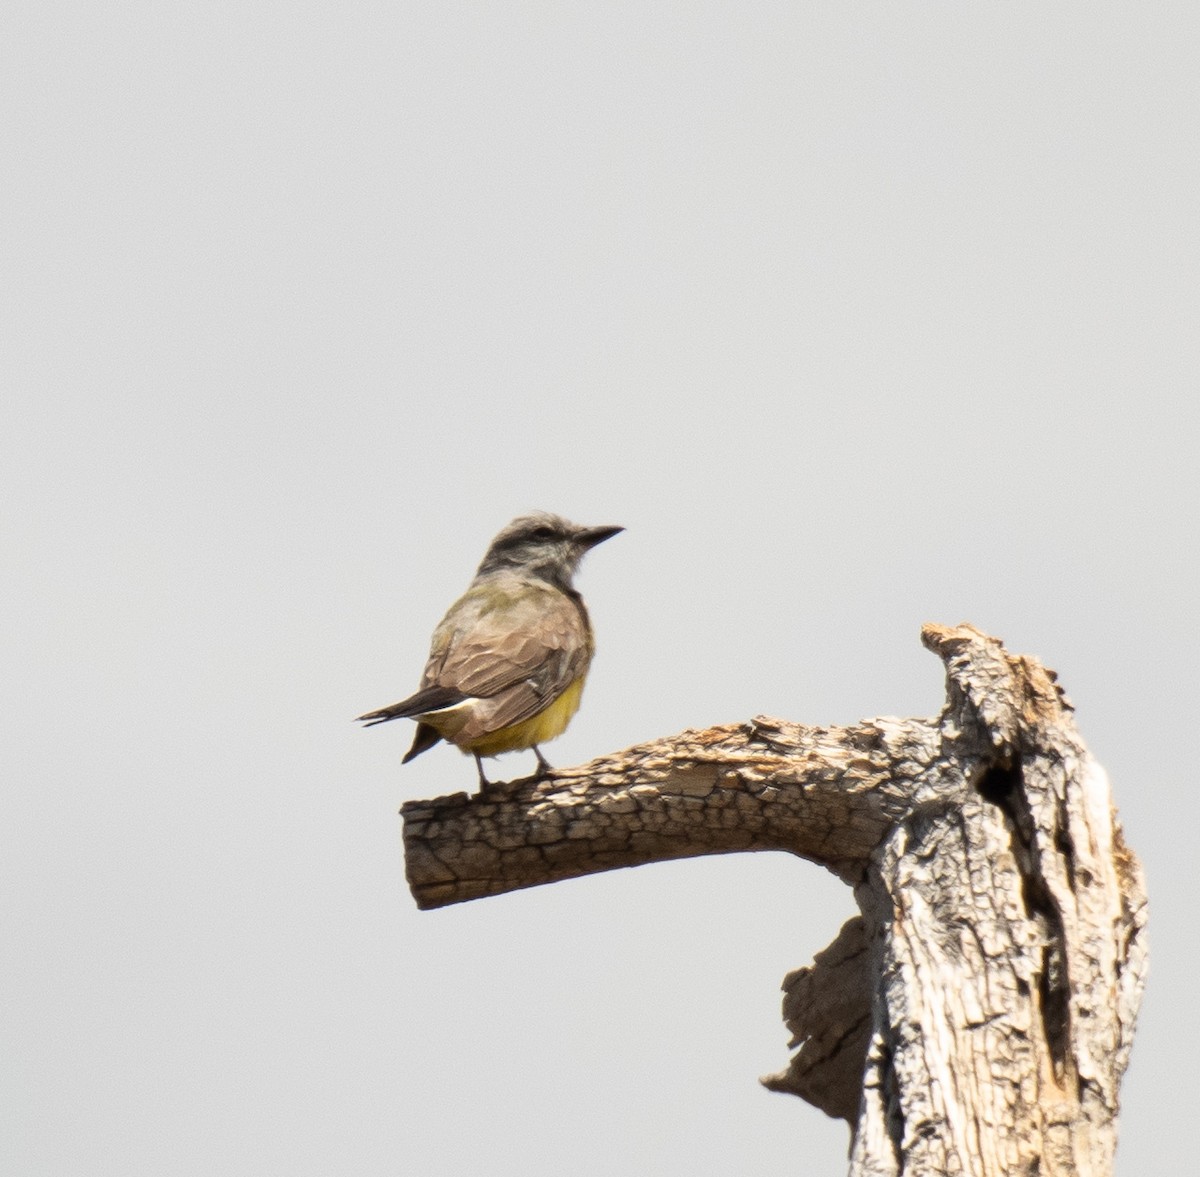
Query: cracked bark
[{"x": 977, "y": 1015}]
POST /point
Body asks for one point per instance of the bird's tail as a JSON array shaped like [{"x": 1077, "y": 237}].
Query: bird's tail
[
  {"x": 423, "y": 740},
  {"x": 429, "y": 699}
]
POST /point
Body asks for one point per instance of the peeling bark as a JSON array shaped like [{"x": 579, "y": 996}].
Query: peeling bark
[{"x": 977, "y": 1017}]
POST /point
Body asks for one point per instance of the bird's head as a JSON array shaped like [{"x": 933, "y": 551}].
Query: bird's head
[{"x": 543, "y": 545}]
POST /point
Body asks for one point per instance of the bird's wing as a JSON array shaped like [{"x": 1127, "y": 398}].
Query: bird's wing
[{"x": 516, "y": 644}]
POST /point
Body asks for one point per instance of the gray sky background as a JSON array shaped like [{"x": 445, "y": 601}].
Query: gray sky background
[{"x": 854, "y": 316}]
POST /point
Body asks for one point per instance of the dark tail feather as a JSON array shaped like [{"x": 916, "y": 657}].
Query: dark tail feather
[
  {"x": 429, "y": 699},
  {"x": 425, "y": 739}
]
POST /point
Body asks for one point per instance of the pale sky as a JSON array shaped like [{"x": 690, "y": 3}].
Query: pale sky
[{"x": 855, "y": 316}]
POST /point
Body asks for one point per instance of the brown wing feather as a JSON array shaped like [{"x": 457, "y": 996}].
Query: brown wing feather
[{"x": 517, "y": 646}]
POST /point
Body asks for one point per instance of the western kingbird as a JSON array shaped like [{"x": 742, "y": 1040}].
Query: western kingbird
[{"x": 508, "y": 661}]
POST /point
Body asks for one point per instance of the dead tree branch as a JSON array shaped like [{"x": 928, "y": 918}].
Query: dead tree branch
[{"x": 977, "y": 1016}]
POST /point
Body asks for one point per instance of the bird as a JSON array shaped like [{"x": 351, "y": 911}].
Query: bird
[{"x": 507, "y": 663}]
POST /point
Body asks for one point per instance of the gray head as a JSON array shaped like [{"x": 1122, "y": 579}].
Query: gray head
[{"x": 543, "y": 545}]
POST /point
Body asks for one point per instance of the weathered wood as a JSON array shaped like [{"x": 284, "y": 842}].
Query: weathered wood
[
  {"x": 978, "y": 1015},
  {"x": 827, "y": 1007}
]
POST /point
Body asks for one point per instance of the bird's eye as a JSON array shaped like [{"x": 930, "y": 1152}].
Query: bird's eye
[{"x": 543, "y": 532}]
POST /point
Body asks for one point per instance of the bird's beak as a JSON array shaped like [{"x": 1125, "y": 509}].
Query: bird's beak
[{"x": 589, "y": 537}]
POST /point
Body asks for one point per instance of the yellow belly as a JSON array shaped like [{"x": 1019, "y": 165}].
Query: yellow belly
[{"x": 537, "y": 729}]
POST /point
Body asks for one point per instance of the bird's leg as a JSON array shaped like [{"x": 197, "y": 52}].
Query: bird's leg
[
  {"x": 544, "y": 767},
  {"x": 484, "y": 783}
]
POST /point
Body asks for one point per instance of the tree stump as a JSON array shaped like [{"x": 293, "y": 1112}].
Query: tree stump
[{"x": 976, "y": 1017}]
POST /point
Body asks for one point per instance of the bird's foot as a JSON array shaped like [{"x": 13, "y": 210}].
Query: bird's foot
[
  {"x": 544, "y": 768},
  {"x": 484, "y": 783}
]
